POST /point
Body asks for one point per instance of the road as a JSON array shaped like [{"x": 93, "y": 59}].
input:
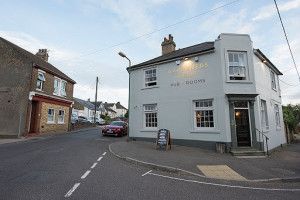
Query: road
[{"x": 80, "y": 166}]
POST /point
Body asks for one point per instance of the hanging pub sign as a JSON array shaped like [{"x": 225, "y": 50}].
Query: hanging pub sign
[{"x": 163, "y": 139}]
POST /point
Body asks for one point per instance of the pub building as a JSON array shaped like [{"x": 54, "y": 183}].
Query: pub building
[{"x": 220, "y": 92}]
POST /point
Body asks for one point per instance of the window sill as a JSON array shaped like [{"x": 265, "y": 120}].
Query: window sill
[
  {"x": 59, "y": 95},
  {"x": 145, "y": 88},
  {"x": 214, "y": 131},
  {"x": 39, "y": 90},
  {"x": 149, "y": 130},
  {"x": 61, "y": 123},
  {"x": 50, "y": 122},
  {"x": 239, "y": 81}
]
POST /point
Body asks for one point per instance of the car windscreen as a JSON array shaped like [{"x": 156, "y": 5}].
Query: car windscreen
[{"x": 116, "y": 123}]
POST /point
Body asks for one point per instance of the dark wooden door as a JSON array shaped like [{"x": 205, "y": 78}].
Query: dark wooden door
[
  {"x": 242, "y": 127},
  {"x": 34, "y": 116}
]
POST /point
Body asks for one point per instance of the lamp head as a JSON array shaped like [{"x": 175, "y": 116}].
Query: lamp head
[{"x": 122, "y": 54}]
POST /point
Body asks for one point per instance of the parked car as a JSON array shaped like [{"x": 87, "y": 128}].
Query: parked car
[
  {"x": 116, "y": 128},
  {"x": 74, "y": 118},
  {"x": 83, "y": 119},
  {"x": 100, "y": 121},
  {"x": 90, "y": 119}
]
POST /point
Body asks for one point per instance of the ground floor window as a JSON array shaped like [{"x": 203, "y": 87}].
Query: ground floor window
[
  {"x": 204, "y": 113},
  {"x": 277, "y": 116},
  {"x": 150, "y": 115},
  {"x": 264, "y": 114},
  {"x": 61, "y": 116},
  {"x": 51, "y": 115}
]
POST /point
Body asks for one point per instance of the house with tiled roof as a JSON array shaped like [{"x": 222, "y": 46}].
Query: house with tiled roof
[
  {"x": 35, "y": 96},
  {"x": 116, "y": 109},
  {"x": 85, "y": 108}
]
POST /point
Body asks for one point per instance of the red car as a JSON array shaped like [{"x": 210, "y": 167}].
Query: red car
[{"x": 116, "y": 128}]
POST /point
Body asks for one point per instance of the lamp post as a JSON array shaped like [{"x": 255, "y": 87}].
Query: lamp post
[{"x": 124, "y": 56}]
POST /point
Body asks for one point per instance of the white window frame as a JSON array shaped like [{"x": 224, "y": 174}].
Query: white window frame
[
  {"x": 48, "y": 121},
  {"x": 150, "y": 109},
  {"x": 200, "y": 106},
  {"x": 273, "y": 80},
  {"x": 277, "y": 115},
  {"x": 264, "y": 115},
  {"x": 237, "y": 64},
  {"x": 59, "y": 90},
  {"x": 146, "y": 83},
  {"x": 40, "y": 80},
  {"x": 63, "y": 116}
]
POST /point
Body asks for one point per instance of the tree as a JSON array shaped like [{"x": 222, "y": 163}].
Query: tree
[
  {"x": 291, "y": 115},
  {"x": 126, "y": 114}
]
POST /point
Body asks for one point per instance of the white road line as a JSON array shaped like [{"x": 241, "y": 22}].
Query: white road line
[
  {"x": 72, "y": 190},
  {"x": 104, "y": 154},
  {"x": 223, "y": 185},
  {"x": 94, "y": 165},
  {"x": 147, "y": 173},
  {"x": 99, "y": 158},
  {"x": 85, "y": 174}
]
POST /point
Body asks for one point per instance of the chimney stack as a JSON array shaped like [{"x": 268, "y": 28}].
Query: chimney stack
[
  {"x": 43, "y": 54},
  {"x": 168, "y": 45},
  {"x": 89, "y": 100}
]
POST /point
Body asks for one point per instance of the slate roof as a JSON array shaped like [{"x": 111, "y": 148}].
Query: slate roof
[
  {"x": 38, "y": 61},
  {"x": 98, "y": 104},
  {"x": 198, "y": 48},
  {"x": 86, "y": 104}
]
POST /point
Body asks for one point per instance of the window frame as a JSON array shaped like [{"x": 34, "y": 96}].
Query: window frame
[
  {"x": 39, "y": 80},
  {"x": 59, "y": 91},
  {"x": 246, "y": 66},
  {"x": 264, "y": 115},
  {"x": 147, "y": 112},
  {"x": 147, "y": 82},
  {"x": 273, "y": 80},
  {"x": 63, "y": 121},
  {"x": 204, "y": 108},
  {"x": 277, "y": 115},
  {"x": 48, "y": 121}
]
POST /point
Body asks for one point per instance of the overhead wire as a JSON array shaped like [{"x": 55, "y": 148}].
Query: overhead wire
[{"x": 287, "y": 39}]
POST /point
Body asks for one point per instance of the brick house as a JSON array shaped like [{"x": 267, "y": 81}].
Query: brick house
[{"x": 35, "y": 96}]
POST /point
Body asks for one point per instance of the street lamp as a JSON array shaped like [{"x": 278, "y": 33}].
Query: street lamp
[{"x": 124, "y": 56}]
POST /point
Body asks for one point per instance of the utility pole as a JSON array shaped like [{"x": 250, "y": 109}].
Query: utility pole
[{"x": 96, "y": 101}]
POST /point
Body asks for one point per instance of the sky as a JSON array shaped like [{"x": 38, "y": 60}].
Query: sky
[{"x": 84, "y": 36}]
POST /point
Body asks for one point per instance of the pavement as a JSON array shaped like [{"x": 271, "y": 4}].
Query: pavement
[{"x": 283, "y": 165}]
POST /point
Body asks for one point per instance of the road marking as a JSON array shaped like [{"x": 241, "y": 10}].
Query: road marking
[
  {"x": 72, "y": 190},
  {"x": 223, "y": 185},
  {"x": 104, "y": 154},
  {"x": 147, "y": 173},
  {"x": 94, "y": 165},
  {"x": 99, "y": 158},
  {"x": 85, "y": 174}
]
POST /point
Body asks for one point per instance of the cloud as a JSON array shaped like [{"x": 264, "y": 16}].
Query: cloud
[{"x": 270, "y": 10}]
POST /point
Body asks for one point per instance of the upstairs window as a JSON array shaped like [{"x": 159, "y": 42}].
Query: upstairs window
[
  {"x": 237, "y": 65},
  {"x": 40, "y": 81},
  {"x": 150, "y": 77},
  {"x": 273, "y": 80},
  {"x": 59, "y": 87}
]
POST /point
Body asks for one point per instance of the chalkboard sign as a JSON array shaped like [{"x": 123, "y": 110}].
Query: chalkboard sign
[{"x": 163, "y": 139}]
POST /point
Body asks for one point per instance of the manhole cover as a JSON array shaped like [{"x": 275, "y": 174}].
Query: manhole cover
[{"x": 283, "y": 171}]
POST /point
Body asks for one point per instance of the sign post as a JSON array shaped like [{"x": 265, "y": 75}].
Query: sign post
[{"x": 163, "y": 139}]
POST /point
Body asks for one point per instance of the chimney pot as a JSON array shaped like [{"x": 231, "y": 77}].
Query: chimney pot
[
  {"x": 168, "y": 45},
  {"x": 89, "y": 100},
  {"x": 42, "y": 53}
]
